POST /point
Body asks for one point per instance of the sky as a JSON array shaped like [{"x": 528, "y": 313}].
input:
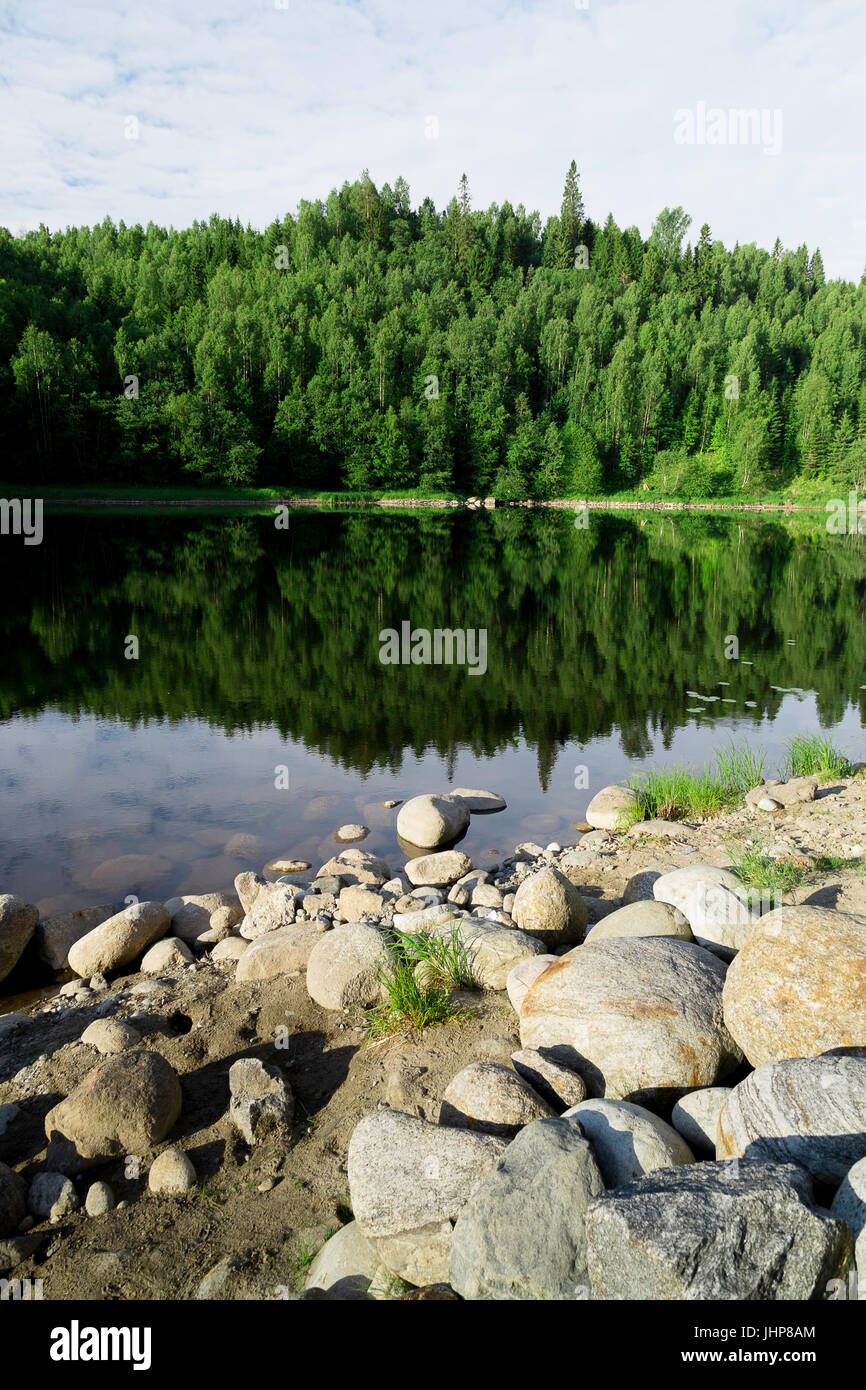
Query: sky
[{"x": 171, "y": 110}]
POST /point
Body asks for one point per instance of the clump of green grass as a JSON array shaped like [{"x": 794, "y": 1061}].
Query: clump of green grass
[
  {"x": 445, "y": 959},
  {"x": 677, "y": 793},
  {"x": 300, "y": 1262},
  {"x": 814, "y": 755},
  {"x": 761, "y": 872},
  {"x": 411, "y": 1003}
]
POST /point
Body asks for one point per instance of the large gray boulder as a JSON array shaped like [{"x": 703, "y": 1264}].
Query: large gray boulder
[
  {"x": 607, "y": 808},
  {"x": 191, "y": 913},
  {"x": 798, "y": 986},
  {"x": 17, "y": 924},
  {"x": 521, "y": 1234},
  {"x": 523, "y": 975},
  {"x": 119, "y": 940},
  {"x": 430, "y": 821},
  {"x": 808, "y": 1110},
  {"x": 641, "y": 919},
  {"x": 55, "y": 935},
  {"x": 714, "y": 902},
  {"x": 714, "y": 1231},
  {"x": 279, "y": 952},
  {"x": 849, "y": 1205},
  {"x": 124, "y": 1105},
  {"x": 627, "y": 1140},
  {"x": 491, "y": 1099},
  {"x": 347, "y": 1266},
  {"x": 549, "y": 907},
  {"x": 344, "y": 967},
  {"x": 639, "y": 1018},
  {"x": 492, "y": 950}
]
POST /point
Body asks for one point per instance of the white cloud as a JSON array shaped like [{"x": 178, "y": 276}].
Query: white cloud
[{"x": 244, "y": 108}]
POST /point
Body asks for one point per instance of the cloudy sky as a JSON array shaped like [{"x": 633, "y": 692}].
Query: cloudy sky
[{"x": 170, "y": 110}]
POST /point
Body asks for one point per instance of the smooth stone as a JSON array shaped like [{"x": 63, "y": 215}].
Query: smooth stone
[
  {"x": 124, "y": 1105},
  {"x": 231, "y": 948},
  {"x": 696, "y": 1116},
  {"x": 628, "y": 1140},
  {"x": 807, "y": 1110},
  {"x": 171, "y": 1174},
  {"x": 486, "y": 895},
  {"x": 640, "y": 886},
  {"x": 549, "y": 907},
  {"x": 491, "y": 949},
  {"x": 491, "y": 1099},
  {"x": 640, "y": 1018},
  {"x": 705, "y": 1232},
  {"x": 713, "y": 901},
  {"x": 352, "y": 832},
  {"x": 430, "y": 821},
  {"x": 279, "y": 952},
  {"x": 608, "y": 805},
  {"x": 524, "y": 974},
  {"x": 478, "y": 802},
  {"x": 262, "y": 1103},
  {"x": 119, "y": 940},
  {"x": 192, "y": 915},
  {"x": 110, "y": 1036},
  {"x": 642, "y": 919},
  {"x": 438, "y": 870},
  {"x": 356, "y": 866},
  {"x": 55, "y": 935},
  {"x": 849, "y": 1205},
  {"x": 99, "y": 1200},
  {"x": 169, "y": 954},
  {"x": 346, "y": 1266},
  {"x": 51, "y": 1196},
  {"x": 798, "y": 986},
  {"x": 520, "y": 1235},
  {"x": 424, "y": 919},
  {"x": 356, "y": 902},
  {"x": 557, "y": 1085},
  {"x": 18, "y": 920},
  {"x": 344, "y": 967},
  {"x": 405, "y": 1174},
  {"x": 288, "y": 866}
]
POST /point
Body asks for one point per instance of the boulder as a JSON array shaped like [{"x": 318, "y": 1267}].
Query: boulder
[
  {"x": 99, "y": 1200},
  {"x": 261, "y": 1102},
  {"x": 431, "y": 821},
  {"x": 344, "y": 967},
  {"x": 110, "y": 1036},
  {"x": 279, "y": 952},
  {"x": 640, "y": 1018},
  {"x": 273, "y": 908},
  {"x": 713, "y": 900},
  {"x": 169, "y": 954},
  {"x": 13, "y": 1204},
  {"x": 794, "y": 791},
  {"x": 521, "y": 1234},
  {"x": 627, "y": 1140},
  {"x": 550, "y": 908},
  {"x": 352, "y": 832},
  {"x": 405, "y": 1174},
  {"x": 192, "y": 914},
  {"x": 51, "y": 1196},
  {"x": 491, "y": 1099},
  {"x": 524, "y": 974},
  {"x": 119, "y": 940},
  {"x": 549, "y": 1079},
  {"x": 642, "y": 919},
  {"x": 356, "y": 902},
  {"x": 124, "y": 1105},
  {"x": 438, "y": 870},
  {"x": 696, "y": 1116},
  {"x": 807, "y": 1110},
  {"x": 798, "y": 986},
  {"x": 356, "y": 866},
  {"x": 17, "y": 924},
  {"x": 849, "y": 1205},
  {"x": 171, "y": 1174},
  {"x": 639, "y": 888},
  {"x": 608, "y": 806},
  {"x": 233, "y": 947},
  {"x": 419, "y": 1257},
  {"x": 705, "y": 1232},
  {"x": 346, "y": 1267},
  {"x": 248, "y": 885},
  {"x": 491, "y": 949},
  {"x": 478, "y": 802},
  {"x": 55, "y": 935}
]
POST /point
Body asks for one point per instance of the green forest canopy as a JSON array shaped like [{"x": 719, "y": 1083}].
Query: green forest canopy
[{"x": 364, "y": 343}]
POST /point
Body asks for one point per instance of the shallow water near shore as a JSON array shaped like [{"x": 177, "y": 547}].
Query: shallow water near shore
[{"x": 258, "y": 649}]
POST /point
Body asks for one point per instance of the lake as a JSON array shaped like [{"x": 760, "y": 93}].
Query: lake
[{"x": 257, "y": 715}]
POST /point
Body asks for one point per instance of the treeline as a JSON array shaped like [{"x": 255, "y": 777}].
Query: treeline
[{"x": 367, "y": 344}]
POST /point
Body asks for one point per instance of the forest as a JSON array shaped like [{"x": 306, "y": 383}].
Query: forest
[{"x": 364, "y": 343}]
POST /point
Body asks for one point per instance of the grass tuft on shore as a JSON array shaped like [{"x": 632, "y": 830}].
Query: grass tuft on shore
[
  {"x": 677, "y": 793},
  {"x": 814, "y": 755},
  {"x": 759, "y": 870}
]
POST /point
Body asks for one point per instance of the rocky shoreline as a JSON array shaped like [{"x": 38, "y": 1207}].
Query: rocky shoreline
[{"x": 653, "y": 1084}]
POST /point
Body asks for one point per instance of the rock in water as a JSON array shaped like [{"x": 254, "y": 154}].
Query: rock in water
[
  {"x": 343, "y": 967},
  {"x": 491, "y": 1099},
  {"x": 549, "y": 907},
  {"x": 521, "y": 1234},
  {"x": 478, "y": 802},
  {"x": 798, "y": 986},
  {"x": 17, "y": 924},
  {"x": 262, "y": 1102},
  {"x": 639, "y": 1018},
  {"x": 808, "y": 1110},
  {"x": 119, "y": 940},
  {"x": 705, "y": 1231},
  {"x": 627, "y": 1140},
  {"x": 431, "y": 821},
  {"x": 124, "y": 1105},
  {"x": 609, "y": 805}
]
